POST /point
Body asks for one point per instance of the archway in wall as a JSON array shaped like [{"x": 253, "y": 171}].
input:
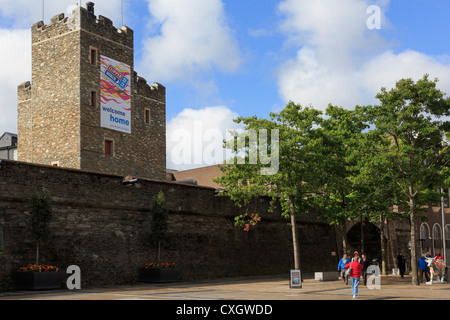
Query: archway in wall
[
  {"x": 370, "y": 245},
  {"x": 426, "y": 244}
]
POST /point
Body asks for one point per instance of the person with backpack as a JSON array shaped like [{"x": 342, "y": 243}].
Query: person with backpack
[{"x": 354, "y": 272}]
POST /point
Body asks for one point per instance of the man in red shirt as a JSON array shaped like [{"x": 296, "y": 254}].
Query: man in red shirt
[{"x": 355, "y": 274}]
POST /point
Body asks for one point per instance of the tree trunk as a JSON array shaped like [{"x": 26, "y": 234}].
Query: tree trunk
[
  {"x": 337, "y": 236},
  {"x": 344, "y": 243},
  {"x": 383, "y": 247},
  {"x": 37, "y": 253},
  {"x": 294, "y": 234},
  {"x": 414, "y": 243},
  {"x": 159, "y": 251},
  {"x": 343, "y": 233}
]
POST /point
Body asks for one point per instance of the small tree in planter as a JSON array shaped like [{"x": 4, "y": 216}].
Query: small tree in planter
[
  {"x": 159, "y": 271},
  {"x": 35, "y": 277},
  {"x": 160, "y": 220},
  {"x": 41, "y": 214}
]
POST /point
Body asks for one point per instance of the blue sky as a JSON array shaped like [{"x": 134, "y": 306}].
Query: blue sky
[{"x": 220, "y": 59}]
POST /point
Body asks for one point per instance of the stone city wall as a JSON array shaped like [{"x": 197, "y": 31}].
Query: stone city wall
[{"x": 103, "y": 227}]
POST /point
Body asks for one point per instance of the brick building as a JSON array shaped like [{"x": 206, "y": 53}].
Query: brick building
[{"x": 86, "y": 108}]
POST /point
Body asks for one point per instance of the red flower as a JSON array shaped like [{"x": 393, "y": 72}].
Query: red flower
[
  {"x": 159, "y": 265},
  {"x": 38, "y": 268}
]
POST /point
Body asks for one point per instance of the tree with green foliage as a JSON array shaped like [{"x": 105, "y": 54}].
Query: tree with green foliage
[
  {"x": 41, "y": 214},
  {"x": 291, "y": 185},
  {"x": 376, "y": 189},
  {"x": 160, "y": 220},
  {"x": 415, "y": 154},
  {"x": 337, "y": 199}
]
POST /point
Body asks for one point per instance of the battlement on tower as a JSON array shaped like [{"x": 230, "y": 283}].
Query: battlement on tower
[
  {"x": 82, "y": 19},
  {"x": 154, "y": 91},
  {"x": 24, "y": 91}
]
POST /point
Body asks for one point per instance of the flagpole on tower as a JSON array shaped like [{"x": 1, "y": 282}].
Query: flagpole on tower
[
  {"x": 122, "y": 10},
  {"x": 43, "y": 17}
]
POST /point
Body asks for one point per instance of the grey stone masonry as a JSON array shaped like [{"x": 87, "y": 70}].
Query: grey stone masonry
[{"x": 59, "y": 111}]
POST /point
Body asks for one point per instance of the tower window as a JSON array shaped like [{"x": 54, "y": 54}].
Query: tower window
[
  {"x": 109, "y": 147},
  {"x": 93, "y": 98},
  {"x": 147, "y": 116},
  {"x": 93, "y": 56}
]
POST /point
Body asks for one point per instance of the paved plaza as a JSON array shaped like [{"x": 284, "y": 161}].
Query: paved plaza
[{"x": 248, "y": 288}]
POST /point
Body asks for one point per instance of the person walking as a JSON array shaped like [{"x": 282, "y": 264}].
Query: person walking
[
  {"x": 356, "y": 256},
  {"x": 355, "y": 274},
  {"x": 401, "y": 263},
  {"x": 424, "y": 270},
  {"x": 365, "y": 263},
  {"x": 341, "y": 267}
]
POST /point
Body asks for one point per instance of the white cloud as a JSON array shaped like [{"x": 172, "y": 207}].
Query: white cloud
[
  {"x": 339, "y": 60},
  {"x": 194, "y": 38},
  {"x": 195, "y": 137},
  {"x": 15, "y": 54},
  {"x": 24, "y": 13},
  {"x": 387, "y": 68}
]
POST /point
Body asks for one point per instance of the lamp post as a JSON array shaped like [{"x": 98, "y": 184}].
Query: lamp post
[
  {"x": 443, "y": 227},
  {"x": 362, "y": 234}
]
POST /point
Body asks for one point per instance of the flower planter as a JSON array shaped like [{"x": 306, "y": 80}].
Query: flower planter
[
  {"x": 38, "y": 280},
  {"x": 158, "y": 275}
]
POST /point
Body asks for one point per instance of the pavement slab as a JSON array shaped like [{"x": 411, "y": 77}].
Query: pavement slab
[{"x": 245, "y": 289}]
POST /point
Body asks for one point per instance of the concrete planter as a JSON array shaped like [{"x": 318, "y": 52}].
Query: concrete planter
[
  {"x": 158, "y": 275},
  {"x": 38, "y": 280},
  {"x": 326, "y": 276}
]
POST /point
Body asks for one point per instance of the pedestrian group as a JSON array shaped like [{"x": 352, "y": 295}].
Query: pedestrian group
[
  {"x": 353, "y": 269},
  {"x": 356, "y": 267}
]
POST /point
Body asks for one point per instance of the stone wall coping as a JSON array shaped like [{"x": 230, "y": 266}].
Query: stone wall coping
[{"x": 94, "y": 173}]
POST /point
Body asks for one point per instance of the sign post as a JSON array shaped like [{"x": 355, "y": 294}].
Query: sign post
[{"x": 295, "y": 279}]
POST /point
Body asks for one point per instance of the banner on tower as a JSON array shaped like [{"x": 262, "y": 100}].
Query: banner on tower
[{"x": 115, "y": 95}]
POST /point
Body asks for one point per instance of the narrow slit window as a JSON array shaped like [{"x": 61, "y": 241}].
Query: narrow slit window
[
  {"x": 93, "y": 98},
  {"x": 93, "y": 56},
  {"x": 109, "y": 145},
  {"x": 147, "y": 116}
]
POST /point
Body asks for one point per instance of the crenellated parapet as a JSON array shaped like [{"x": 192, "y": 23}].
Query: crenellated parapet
[
  {"x": 24, "y": 91},
  {"x": 154, "y": 91},
  {"x": 81, "y": 19},
  {"x": 104, "y": 27}
]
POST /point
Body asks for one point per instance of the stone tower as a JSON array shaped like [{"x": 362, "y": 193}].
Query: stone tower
[{"x": 86, "y": 108}]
